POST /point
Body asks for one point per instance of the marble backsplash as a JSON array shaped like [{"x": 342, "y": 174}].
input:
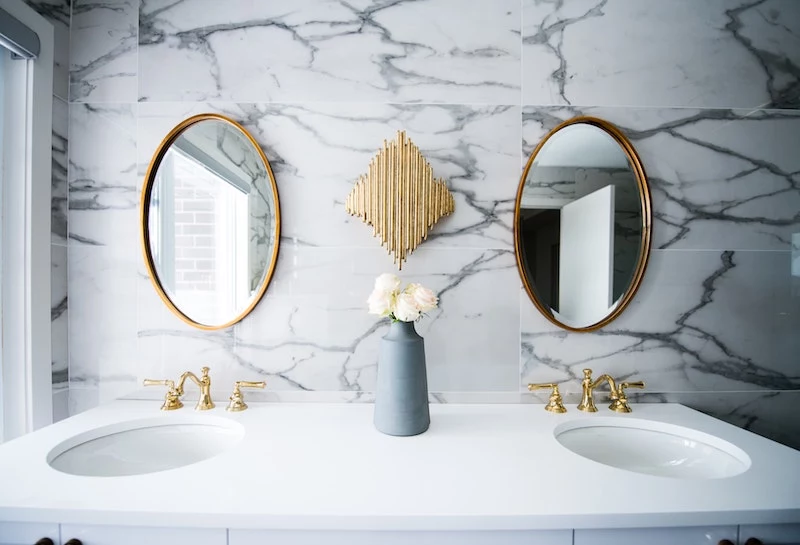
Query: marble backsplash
[{"x": 709, "y": 94}]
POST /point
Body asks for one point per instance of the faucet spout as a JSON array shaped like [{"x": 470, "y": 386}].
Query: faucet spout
[
  {"x": 204, "y": 383},
  {"x": 588, "y": 387}
]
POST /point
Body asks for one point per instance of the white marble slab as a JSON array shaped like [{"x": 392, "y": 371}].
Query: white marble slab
[
  {"x": 103, "y": 183},
  {"x": 317, "y": 50},
  {"x": 102, "y": 316},
  {"x": 103, "y": 51},
  {"x": 59, "y": 334},
  {"x": 59, "y": 188},
  {"x": 682, "y": 53},
  {"x": 719, "y": 179},
  {"x": 317, "y": 152},
  {"x": 321, "y": 84},
  {"x": 306, "y": 336},
  {"x": 701, "y": 321}
]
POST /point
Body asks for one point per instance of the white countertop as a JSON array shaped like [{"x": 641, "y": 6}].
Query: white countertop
[{"x": 324, "y": 466}]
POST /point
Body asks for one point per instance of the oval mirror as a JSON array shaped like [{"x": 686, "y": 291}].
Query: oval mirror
[
  {"x": 582, "y": 224},
  {"x": 210, "y": 221}
]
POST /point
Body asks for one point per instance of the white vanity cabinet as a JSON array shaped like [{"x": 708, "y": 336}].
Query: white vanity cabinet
[
  {"x": 276, "y": 537},
  {"x": 774, "y": 534},
  {"x": 27, "y": 533},
  {"x": 141, "y": 535},
  {"x": 700, "y": 535},
  {"x": 13, "y": 533}
]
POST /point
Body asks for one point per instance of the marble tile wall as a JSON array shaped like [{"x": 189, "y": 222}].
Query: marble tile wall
[
  {"x": 709, "y": 93},
  {"x": 58, "y": 13}
]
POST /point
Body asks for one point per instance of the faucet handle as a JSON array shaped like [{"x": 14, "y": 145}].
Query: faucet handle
[
  {"x": 620, "y": 404},
  {"x": 172, "y": 399},
  {"x": 556, "y": 404},
  {"x": 237, "y": 399}
]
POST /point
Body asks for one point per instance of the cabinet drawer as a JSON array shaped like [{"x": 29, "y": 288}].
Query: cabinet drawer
[
  {"x": 142, "y": 535},
  {"x": 26, "y": 533},
  {"x": 771, "y": 534},
  {"x": 280, "y": 537},
  {"x": 700, "y": 535}
]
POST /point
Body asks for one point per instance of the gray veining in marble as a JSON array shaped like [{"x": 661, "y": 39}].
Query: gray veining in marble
[
  {"x": 59, "y": 334},
  {"x": 302, "y": 337},
  {"x": 710, "y": 54},
  {"x": 103, "y": 185},
  {"x": 719, "y": 178},
  {"x": 60, "y": 153},
  {"x": 318, "y": 150},
  {"x": 392, "y": 50},
  {"x": 103, "y": 61},
  {"x": 706, "y": 91},
  {"x": 58, "y": 13},
  {"x": 701, "y": 321}
]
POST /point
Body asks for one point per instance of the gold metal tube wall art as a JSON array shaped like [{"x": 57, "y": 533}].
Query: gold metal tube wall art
[{"x": 400, "y": 198}]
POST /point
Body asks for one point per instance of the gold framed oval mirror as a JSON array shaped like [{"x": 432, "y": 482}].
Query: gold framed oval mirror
[
  {"x": 210, "y": 221},
  {"x": 582, "y": 224}
]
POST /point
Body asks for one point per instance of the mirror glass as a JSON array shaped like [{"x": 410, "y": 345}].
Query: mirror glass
[
  {"x": 582, "y": 228},
  {"x": 211, "y": 221}
]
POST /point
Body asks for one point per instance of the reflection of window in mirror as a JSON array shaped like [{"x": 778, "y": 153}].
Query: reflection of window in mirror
[
  {"x": 201, "y": 233},
  {"x": 210, "y": 205}
]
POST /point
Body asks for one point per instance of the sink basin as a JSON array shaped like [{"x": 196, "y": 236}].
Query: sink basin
[
  {"x": 653, "y": 448},
  {"x": 145, "y": 446}
]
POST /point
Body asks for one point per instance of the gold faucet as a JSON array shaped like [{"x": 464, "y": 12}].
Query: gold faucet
[
  {"x": 556, "y": 403},
  {"x": 587, "y": 397},
  {"x": 237, "y": 399},
  {"x": 172, "y": 399},
  {"x": 620, "y": 404},
  {"x": 204, "y": 383}
]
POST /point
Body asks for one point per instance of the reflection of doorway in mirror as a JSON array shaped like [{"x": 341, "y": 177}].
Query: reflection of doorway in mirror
[
  {"x": 586, "y": 272},
  {"x": 540, "y": 251}
]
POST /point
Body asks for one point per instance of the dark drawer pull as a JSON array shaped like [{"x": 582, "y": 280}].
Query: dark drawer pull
[
  {"x": 73, "y": 541},
  {"x": 45, "y": 541}
]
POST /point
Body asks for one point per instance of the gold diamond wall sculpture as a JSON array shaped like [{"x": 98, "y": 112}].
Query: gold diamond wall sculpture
[{"x": 400, "y": 198}]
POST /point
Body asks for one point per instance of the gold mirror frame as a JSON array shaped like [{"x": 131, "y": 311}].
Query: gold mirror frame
[
  {"x": 144, "y": 215},
  {"x": 647, "y": 220}
]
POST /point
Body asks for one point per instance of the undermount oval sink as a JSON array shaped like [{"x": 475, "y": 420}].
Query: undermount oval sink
[
  {"x": 653, "y": 448},
  {"x": 144, "y": 446}
]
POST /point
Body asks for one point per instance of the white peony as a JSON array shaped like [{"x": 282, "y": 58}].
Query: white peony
[
  {"x": 424, "y": 299},
  {"x": 381, "y": 302},
  {"x": 405, "y": 308},
  {"x": 387, "y": 282}
]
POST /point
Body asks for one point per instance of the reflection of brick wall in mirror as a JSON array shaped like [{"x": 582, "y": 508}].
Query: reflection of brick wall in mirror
[{"x": 194, "y": 229}]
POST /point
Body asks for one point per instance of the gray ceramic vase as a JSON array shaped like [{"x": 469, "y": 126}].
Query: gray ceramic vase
[{"x": 401, "y": 398}]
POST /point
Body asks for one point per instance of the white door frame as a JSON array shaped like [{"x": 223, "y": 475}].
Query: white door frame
[{"x": 26, "y": 356}]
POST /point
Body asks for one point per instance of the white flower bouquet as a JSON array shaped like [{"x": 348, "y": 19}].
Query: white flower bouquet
[{"x": 406, "y": 305}]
